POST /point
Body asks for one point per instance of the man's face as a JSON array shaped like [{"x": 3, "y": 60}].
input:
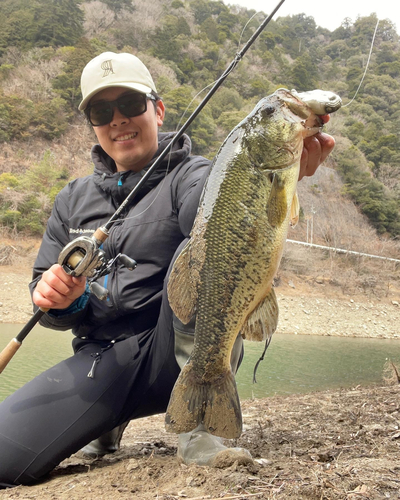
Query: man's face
[{"x": 131, "y": 142}]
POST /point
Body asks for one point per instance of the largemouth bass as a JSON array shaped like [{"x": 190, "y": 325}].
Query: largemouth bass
[{"x": 224, "y": 274}]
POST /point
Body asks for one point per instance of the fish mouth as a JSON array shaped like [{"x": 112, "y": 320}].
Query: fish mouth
[
  {"x": 313, "y": 126},
  {"x": 313, "y": 123}
]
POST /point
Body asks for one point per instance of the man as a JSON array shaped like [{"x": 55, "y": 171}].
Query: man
[{"x": 124, "y": 363}]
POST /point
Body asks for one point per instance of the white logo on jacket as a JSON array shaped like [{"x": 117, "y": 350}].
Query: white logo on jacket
[{"x": 80, "y": 231}]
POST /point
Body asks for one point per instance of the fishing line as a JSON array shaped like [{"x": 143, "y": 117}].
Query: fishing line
[
  {"x": 366, "y": 68},
  {"x": 218, "y": 79},
  {"x": 243, "y": 30},
  {"x": 267, "y": 342}
]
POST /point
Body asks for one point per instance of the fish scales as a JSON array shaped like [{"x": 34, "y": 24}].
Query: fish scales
[{"x": 224, "y": 274}]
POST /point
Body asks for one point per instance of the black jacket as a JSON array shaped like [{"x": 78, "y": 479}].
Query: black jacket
[{"x": 161, "y": 216}]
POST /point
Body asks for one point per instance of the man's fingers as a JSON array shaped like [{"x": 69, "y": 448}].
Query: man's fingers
[
  {"x": 48, "y": 296},
  {"x": 327, "y": 144},
  {"x": 57, "y": 290},
  {"x": 54, "y": 283},
  {"x": 316, "y": 149}
]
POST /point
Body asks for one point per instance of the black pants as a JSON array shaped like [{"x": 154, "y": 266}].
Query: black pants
[{"x": 63, "y": 409}]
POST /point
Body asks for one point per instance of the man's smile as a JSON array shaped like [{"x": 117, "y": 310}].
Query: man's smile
[{"x": 126, "y": 137}]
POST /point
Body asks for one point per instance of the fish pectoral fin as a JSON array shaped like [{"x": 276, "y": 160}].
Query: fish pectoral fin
[
  {"x": 262, "y": 322},
  {"x": 215, "y": 404},
  {"x": 277, "y": 205},
  {"x": 295, "y": 210},
  {"x": 182, "y": 286}
]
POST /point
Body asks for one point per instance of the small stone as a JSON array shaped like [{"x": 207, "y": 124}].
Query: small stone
[
  {"x": 291, "y": 284},
  {"x": 395, "y": 303},
  {"x": 132, "y": 465},
  {"x": 262, "y": 461}
]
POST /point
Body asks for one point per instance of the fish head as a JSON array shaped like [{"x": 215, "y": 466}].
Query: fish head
[{"x": 273, "y": 132}]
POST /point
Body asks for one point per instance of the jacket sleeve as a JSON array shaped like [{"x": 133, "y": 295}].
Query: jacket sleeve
[
  {"x": 188, "y": 191},
  {"x": 55, "y": 238}
]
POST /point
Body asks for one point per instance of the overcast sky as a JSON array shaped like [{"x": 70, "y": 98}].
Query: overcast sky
[{"x": 328, "y": 14}]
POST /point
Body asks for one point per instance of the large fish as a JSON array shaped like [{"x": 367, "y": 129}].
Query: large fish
[{"x": 224, "y": 274}]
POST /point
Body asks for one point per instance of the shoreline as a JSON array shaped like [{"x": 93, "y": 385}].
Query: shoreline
[{"x": 304, "y": 308}]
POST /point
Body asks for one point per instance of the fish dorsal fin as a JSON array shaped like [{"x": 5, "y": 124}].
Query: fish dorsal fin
[
  {"x": 183, "y": 286},
  {"x": 277, "y": 206},
  {"x": 295, "y": 210},
  {"x": 262, "y": 322}
]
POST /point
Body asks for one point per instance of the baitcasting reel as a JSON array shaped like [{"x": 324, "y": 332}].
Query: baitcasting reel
[{"x": 84, "y": 257}]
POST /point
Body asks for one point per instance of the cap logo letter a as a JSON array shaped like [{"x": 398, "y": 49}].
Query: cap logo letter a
[{"x": 107, "y": 67}]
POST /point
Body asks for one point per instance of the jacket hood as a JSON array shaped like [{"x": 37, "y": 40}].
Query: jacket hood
[{"x": 120, "y": 184}]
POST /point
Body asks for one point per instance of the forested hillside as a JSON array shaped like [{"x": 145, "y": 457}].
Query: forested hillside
[{"x": 187, "y": 44}]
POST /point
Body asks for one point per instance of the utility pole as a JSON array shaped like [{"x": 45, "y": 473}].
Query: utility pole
[{"x": 313, "y": 211}]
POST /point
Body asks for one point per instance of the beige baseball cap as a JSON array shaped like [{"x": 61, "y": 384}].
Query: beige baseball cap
[{"x": 114, "y": 70}]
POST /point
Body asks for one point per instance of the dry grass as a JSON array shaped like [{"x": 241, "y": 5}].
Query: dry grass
[{"x": 391, "y": 373}]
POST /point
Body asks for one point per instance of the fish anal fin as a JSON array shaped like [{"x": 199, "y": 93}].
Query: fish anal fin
[
  {"x": 214, "y": 404},
  {"x": 182, "y": 286},
  {"x": 263, "y": 321},
  {"x": 295, "y": 210},
  {"x": 277, "y": 205}
]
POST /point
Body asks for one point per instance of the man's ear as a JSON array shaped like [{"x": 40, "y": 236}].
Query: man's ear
[{"x": 160, "y": 112}]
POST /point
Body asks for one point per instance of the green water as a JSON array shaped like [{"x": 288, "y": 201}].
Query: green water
[
  {"x": 307, "y": 363},
  {"x": 292, "y": 364},
  {"x": 40, "y": 350}
]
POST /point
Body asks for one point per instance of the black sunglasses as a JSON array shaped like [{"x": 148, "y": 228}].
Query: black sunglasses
[{"x": 129, "y": 105}]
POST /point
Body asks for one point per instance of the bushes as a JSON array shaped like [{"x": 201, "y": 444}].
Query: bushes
[
  {"x": 40, "y": 23},
  {"x": 23, "y": 119},
  {"x": 25, "y": 203},
  {"x": 374, "y": 200}
]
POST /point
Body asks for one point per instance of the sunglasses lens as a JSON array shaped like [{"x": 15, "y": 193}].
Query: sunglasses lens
[
  {"x": 132, "y": 105},
  {"x": 101, "y": 113}
]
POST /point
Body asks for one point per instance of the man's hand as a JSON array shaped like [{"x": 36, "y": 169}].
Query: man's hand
[
  {"x": 316, "y": 149},
  {"x": 57, "y": 290}
]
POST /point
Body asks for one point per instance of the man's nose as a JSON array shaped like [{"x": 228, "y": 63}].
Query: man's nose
[{"x": 118, "y": 118}]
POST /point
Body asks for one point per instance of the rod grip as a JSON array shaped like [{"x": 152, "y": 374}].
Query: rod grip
[{"x": 8, "y": 352}]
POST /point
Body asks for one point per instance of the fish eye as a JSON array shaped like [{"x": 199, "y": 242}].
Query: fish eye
[{"x": 268, "y": 110}]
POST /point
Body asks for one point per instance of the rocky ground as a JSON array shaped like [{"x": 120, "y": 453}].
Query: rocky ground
[
  {"x": 341, "y": 444},
  {"x": 331, "y": 445}
]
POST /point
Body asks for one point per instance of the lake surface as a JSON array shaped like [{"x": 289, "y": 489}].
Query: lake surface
[{"x": 292, "y": 364}]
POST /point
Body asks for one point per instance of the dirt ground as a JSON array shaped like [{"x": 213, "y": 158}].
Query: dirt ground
[{"x": 342, "y": 444}]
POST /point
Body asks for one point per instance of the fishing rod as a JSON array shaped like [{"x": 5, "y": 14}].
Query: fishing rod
[{"x": 83, "y": 256}]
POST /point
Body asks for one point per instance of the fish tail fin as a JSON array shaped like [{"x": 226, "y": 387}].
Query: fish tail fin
[{"x": 215, "y": 404}]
